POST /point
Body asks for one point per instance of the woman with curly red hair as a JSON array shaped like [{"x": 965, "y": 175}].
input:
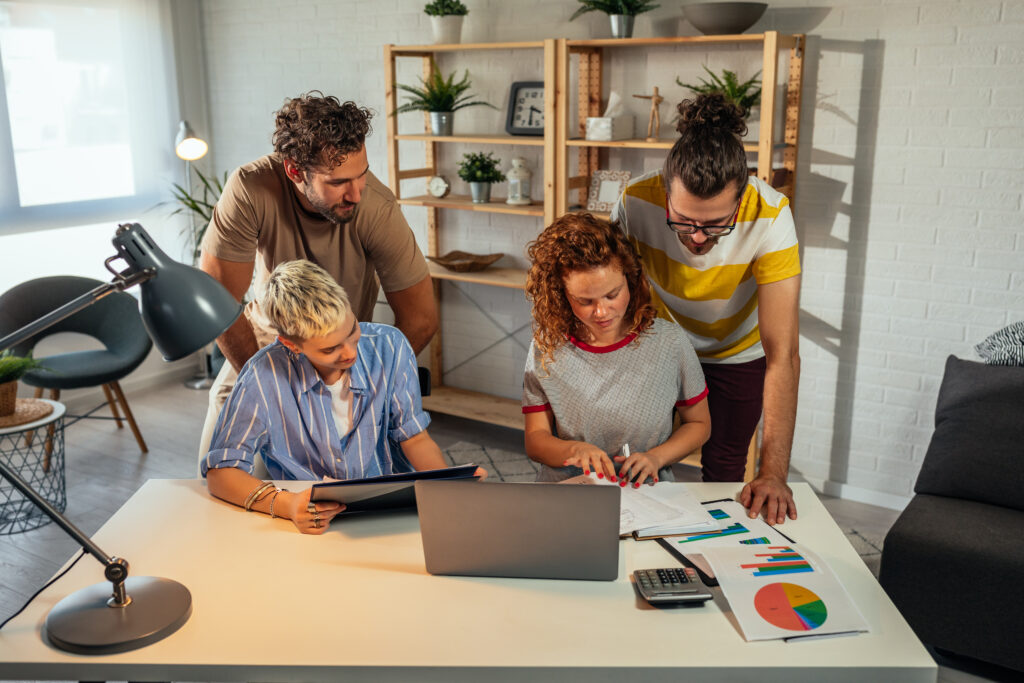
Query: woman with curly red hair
[{"x": 602, "y": 372}]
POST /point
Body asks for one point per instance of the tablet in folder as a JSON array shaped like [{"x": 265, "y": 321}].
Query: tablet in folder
[{"x": 389, "y": 492}]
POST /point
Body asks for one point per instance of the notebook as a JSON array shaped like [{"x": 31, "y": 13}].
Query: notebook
[
  {"x": 538, "y": 531},
  {"x": 388, "y": 492}
]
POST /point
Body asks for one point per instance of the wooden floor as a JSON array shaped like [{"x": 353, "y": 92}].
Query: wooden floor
[{"x": 104, "y": 468}]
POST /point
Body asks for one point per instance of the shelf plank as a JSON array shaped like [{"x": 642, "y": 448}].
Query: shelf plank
[
  {"x": 473, "y": 405},
  {"x": 418, "y": 50},
  {"x": 643, "y": 143},
  {"x": 673, "y": 40},
  {"x": 513, "y": 278},
  {"x": 464, "y": 203},
  {"x": 530, "y": 140}
]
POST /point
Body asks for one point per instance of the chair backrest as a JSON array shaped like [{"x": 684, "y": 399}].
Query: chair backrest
[{"x": 114, "y": 320}]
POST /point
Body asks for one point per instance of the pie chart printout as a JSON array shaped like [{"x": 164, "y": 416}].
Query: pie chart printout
[{"x": 789, "y": 606}]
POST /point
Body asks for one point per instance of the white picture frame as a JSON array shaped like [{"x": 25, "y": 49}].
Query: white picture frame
[{"x": 605, "y": 189}]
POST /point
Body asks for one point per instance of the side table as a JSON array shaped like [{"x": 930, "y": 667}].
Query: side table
[{"x": 39, "y": 460}]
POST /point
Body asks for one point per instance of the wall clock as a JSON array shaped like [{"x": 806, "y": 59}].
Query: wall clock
[{"x": 526, "y": 108}]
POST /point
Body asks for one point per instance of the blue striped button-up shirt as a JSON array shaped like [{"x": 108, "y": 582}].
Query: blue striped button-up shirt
[{"x": 281, "y": 409}]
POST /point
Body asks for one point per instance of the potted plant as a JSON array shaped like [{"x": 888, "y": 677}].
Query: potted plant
[
  {"x": 620, "y": 12},
  {"x": 12, "y": 368},
  {"x": 198, "y": 206},
  {"x": 441, "y": 97},
  {"x": 480, "y": 170},
  {"x": 743, "y": 95},
  {"x": 446, "y": 19}
]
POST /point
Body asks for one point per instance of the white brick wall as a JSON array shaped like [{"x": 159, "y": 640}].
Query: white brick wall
[{"x": 909, "y": 193}]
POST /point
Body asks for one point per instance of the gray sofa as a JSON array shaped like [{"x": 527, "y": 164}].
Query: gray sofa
[{"x": 953, "y": 563}]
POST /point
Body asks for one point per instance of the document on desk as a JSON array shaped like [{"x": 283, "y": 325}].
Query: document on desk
[
  {"x": 664, "y": 508},
  {"x": 783, "y": 592}
]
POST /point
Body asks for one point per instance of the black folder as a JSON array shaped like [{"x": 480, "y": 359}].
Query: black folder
[{"x": 389, "y": 492}]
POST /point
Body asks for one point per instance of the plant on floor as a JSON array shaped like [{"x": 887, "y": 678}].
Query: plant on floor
[
  {"x": 742, "y": 95},
  {"x": 198, "y": 205},
  {"x": 440, "y": 94},
  {"x": 614, "y": 7},
  {"x": 477, "y": 167},
  {"x": 14, "y": 367},
  {"x": 445, "y": 8}
]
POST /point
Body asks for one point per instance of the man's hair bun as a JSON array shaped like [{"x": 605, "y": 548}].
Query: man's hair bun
[{"x": 710, "y": 114}]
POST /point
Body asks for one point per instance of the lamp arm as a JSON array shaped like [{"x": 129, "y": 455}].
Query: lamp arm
[{"x": 120, "y": 283}]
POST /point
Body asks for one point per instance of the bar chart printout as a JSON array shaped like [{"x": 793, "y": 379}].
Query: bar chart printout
[{"x": 778, "y": 560}]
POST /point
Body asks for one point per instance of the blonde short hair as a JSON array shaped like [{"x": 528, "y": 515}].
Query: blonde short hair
[{"x": 303, "y": 301}]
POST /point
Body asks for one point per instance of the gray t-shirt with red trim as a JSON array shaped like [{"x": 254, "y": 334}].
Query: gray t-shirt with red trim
[{"x": 613, "y": 395}]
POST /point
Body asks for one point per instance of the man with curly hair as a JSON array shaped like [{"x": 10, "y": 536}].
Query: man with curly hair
[{"x": 314, "y": 198}]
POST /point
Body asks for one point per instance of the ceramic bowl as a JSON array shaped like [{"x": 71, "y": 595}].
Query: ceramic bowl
[
  {"x": 464, "y": 262},
  {"x": 718, "y": 18}
]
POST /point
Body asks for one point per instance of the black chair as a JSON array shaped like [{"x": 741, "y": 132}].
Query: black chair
[{"x": 114, "y": 320}]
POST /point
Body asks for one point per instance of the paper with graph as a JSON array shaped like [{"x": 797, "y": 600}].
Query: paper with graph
[
  {"x": 664, "y": 508},
  {"x": 783, "y": 591}
]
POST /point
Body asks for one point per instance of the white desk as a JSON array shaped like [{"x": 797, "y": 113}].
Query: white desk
[{"x": 357, "y": 605}]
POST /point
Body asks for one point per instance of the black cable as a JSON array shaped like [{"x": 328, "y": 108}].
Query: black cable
[{"x": 49, "y": 583}]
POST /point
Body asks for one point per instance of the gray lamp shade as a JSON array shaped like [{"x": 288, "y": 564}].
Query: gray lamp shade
[{"x": 183, "y": 308}]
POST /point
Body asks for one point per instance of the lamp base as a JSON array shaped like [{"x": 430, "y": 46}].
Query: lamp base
[{"x": 83, "y": 622}]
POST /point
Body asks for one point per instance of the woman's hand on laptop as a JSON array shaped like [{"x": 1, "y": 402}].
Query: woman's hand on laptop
[
  {"x": 307, "y": 516},
  {"x": 589, "y": 457}
]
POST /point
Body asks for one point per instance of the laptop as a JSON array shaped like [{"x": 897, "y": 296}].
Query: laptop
[{"x": 534, "y": 531}]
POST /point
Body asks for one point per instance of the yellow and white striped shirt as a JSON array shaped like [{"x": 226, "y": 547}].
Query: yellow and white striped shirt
[{"x": 713, "y": 296}]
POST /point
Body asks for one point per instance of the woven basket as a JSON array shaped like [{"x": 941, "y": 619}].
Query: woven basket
[{"x": 8, "y": 397}]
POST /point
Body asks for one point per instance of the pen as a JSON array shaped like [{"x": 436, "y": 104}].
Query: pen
[{"x": 625, "y": 450}]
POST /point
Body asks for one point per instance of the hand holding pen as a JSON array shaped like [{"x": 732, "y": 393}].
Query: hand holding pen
[{"x": 636, "y": 468}]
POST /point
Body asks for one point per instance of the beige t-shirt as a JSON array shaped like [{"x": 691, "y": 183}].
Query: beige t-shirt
[{"x": 259, "y": 218}]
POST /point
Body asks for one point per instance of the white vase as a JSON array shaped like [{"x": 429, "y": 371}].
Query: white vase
[{"x": 447, "y": 29}]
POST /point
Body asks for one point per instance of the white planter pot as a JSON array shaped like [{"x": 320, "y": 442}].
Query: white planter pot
[{"x": 447, "y": 29}]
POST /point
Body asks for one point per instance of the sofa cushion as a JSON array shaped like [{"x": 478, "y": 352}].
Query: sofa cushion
[{"x": 977, "y": 449}]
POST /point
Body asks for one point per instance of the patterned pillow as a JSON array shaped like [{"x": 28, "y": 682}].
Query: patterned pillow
[{"x": 1005, "y": 347}]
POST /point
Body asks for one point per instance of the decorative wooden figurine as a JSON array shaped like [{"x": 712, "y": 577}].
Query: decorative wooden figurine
[{"x": 654, "y": 122}]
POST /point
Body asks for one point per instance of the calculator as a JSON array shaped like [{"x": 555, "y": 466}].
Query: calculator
[{"x": 671, "y": 585}]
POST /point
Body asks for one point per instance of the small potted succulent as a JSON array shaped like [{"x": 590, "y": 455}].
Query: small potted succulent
[
  {"x": 480, "y": 170},
  {"x": 441, "y": 97},
  {"x": 12, "y": 368},
  {"x": 743, "y": 95},
  {"x": 446, "y": 20},
  {"x": 620, "y": 12}
]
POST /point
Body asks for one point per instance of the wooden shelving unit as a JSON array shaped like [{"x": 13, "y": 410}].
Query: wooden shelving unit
[
  {"x": 560, "y": 136},
  {"x": 592, "y": 57},
  {"x": 444, "y": 399}
]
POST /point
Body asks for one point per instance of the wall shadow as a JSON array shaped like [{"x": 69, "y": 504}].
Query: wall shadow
[{"x": 820, "y": 204}]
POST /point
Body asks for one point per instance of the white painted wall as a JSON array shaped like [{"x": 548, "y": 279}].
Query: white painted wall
[{"x": 909, "y": 192}]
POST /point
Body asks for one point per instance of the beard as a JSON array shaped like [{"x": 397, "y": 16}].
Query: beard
[
  {"x": 339, "y": 214},
  {"x": 698, "y": 249}
]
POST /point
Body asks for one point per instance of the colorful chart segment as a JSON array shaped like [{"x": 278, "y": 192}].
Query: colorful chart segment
[
  {"x": 780, "y": 560},
  {"x": 718, "y": 514},
  {"x": 789, "y": 606},
  {"x": 730, "y": 530},
  {"x": 756, "y": 541}
]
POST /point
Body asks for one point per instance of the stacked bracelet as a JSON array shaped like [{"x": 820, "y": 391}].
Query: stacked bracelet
[
  {"x": 273, "y": 499},
  {"x": 255, "y": 495}
]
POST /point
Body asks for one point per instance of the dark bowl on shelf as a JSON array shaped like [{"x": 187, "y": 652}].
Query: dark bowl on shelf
[
  {"x": 723, "y": 18},
  {"x": 464, "y": 262}
]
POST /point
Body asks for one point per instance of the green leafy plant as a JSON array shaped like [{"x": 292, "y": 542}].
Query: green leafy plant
[
  {"x": 742, "y": 95},
  {"x": 198, "y": 205},
  {"x": 477, "y": 167},
  {"x": 610, "y": 7},
  {"x": 440, "y": 94},
  {"x": 444, "y": 8},
  {"x": 14, "y": 367}
]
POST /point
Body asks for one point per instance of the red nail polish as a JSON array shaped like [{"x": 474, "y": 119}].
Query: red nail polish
[
  {"x": 622, "y": 483},
  {"x": 636, "y": 484},
  {"x": 615, "y": 478},
  {"x": 600, "y": 475},
  {"x": 586, "y": 471}
]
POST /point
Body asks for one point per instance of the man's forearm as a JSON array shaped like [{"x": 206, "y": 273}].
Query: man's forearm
[
  {"x": 238, "y": 343},
  {"x": 419, "y": 330},
  {"x": 781, "y": 381}
]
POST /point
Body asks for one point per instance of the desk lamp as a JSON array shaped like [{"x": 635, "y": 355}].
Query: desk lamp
[{"x": 183, "y": 309}]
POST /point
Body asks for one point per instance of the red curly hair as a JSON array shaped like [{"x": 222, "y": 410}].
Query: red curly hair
[{"x": 579, "y": 241}]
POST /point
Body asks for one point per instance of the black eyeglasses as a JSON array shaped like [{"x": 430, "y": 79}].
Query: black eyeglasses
[{"x": 680, "y": 228}]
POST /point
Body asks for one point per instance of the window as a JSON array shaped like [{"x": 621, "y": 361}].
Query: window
[{"x": 85, "y": 112}]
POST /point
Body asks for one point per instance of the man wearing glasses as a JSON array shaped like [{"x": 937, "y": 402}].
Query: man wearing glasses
[{"x": 720, "y": 250}]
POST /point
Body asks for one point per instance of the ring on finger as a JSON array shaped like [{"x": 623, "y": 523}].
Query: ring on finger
[{"x": 311, "y": 507}]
